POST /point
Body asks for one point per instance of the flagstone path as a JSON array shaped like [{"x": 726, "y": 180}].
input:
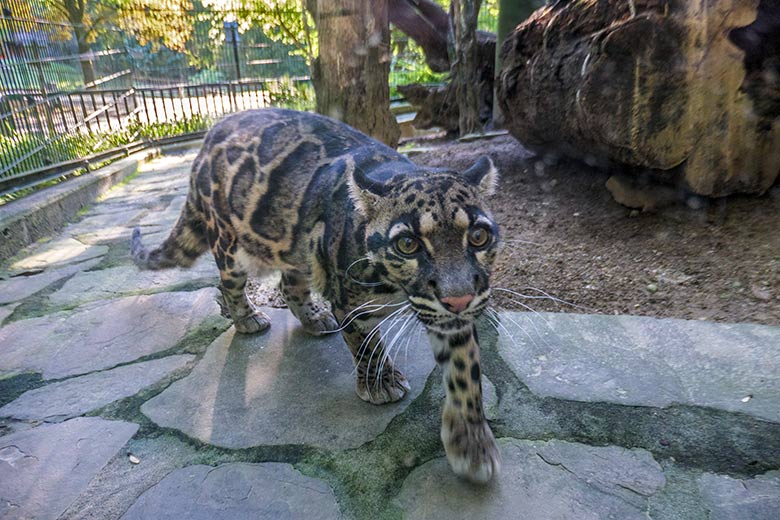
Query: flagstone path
[{"x": 125, "y": 394}]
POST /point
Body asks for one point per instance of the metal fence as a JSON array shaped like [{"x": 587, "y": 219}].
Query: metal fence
[{"x": 53, "y": 122}]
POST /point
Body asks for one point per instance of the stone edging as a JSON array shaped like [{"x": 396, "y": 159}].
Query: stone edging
[{"x": 43, "y": 213}]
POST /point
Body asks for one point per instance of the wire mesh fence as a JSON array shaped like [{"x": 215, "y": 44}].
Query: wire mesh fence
[{"x": 65, "y": 102}]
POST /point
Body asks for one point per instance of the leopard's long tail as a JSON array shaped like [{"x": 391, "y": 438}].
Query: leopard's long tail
[{"x": 183, "y": 246}]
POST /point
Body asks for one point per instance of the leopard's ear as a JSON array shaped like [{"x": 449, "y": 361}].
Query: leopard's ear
[
  {"x": 483, "y": 175},
  {"x": 364, "y": 191}
]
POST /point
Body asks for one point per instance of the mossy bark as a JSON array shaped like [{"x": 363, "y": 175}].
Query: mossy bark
[{"x": 654, "y": 84}]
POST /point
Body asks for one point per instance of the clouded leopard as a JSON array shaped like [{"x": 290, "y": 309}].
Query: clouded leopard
[{"x": 343, "y": 214}]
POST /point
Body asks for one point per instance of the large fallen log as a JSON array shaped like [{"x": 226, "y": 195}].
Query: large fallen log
[{"x": 687, "y": 88}]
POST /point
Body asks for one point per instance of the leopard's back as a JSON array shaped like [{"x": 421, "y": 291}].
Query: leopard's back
[{"x": 274, "y": 174}]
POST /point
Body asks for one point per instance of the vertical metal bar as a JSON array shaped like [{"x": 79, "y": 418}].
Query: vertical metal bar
[
  {"x": 173, "y": 105},
  {"x": 106, "y": 109},
  {"x": 146, "y": 107},
  {"x": 84, "y": 114},
  {"x": 94, "y": 104},
  {"x": 154, "y": 106},
  {"x": 189, "y": 100},
  {"x": 73, "y": 109},
  {"x": 116, "y": 108},
  {"x": 164, "y": 104}
]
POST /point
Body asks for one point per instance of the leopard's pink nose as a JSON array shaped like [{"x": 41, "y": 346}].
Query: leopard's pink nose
[{"x": 457, "y": 303}]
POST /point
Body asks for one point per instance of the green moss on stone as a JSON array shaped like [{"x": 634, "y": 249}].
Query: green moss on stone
[{"x": 12, "y": 386}]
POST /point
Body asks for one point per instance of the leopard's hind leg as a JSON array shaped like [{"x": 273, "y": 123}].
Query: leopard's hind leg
[
  {"x": 233, "y": 276},
  {"x": 315, "y": 316}
]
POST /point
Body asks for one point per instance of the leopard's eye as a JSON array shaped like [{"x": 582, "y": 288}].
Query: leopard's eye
[
  {"x": 479, "y": 237},
  {"x": 407, "y": 245}
]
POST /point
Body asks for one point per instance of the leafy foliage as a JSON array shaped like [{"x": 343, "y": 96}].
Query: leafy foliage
[{"x": 150, "y": 21}]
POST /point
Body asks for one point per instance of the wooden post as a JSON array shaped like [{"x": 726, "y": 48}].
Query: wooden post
[{"x": 351, "y": 73}]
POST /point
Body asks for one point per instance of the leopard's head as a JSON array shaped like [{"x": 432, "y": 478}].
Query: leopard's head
[{"x": 429, "y": 232}]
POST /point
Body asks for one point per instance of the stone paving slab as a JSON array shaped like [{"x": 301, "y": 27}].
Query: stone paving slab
[
  {"x": 122, "y": 234},
  {"x": 79, "y": 395},
  {"x": 101, "y": 335},
  {"x": 127, "y": 279},
  {"x": 91, "y": 223},
  {"x": 267, "y": 491},
  {"x": 165, "y": 218},
  {"x": 168, "y": 184},
  {"x": 105, "y": 227},
  {"x": 42, "y": 470},
  {"x": 731, "y": 499},
  {"x": 58, "y": 252},
  {"x": 549, "y": 480},
  {"x": 18, "y": 288},
  {"x": 281, "y": 387},
  {"x": 643, "y": 361},
  {"x": 283, "y": 390}
]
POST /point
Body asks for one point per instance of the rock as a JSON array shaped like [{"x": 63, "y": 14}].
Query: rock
[
  {"x": 641, "y": 361},
  {"x": 756, "y": 498},
  {"x": 760, "y": 293},
  {"x": 281, "y": 387},
  {"x": 118, "y": 486},
  {"x": 551, "y": 480},
  {"x": 42, "y": 470},
  {"x": 18, "y": 288},
  {"x": 58, "y": 252},
  {"x": 646, "y": 196},
  {"x": 690, "y": 95},
  {"x": 79, "y": 395},
  {"x": 127, "y": 279},
  {"x": 238, "y": 490},
  {"x": 101, "y": 335}
]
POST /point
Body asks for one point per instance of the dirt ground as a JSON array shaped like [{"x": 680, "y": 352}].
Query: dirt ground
[{"x": 564, "y": 235}]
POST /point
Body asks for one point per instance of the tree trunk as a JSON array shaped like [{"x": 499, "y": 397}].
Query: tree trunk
[
  {"x": 351, "y": 73},
  {"x": 465, "y": 66},
  {"x": 428, "y": 25},
  {"x": 688, "y": 93},
  {"x": 87, "y": 67},
  {"x": 76, "y": 9},
  {"x": 437, "y": 106}
]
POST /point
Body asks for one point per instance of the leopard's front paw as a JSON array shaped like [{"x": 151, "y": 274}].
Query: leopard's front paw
[
  {"x": 317, "y": 319},
  {"x": 389, "y": 388},
  {"x": 252, "y": 324},
  {"x": 471, "y": 448}
]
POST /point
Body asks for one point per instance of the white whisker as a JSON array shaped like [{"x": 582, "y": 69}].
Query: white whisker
[
  {"x": 375, "y": 330},
  {"x": 545, "y": 296},
  {"x": 373, "y": 308},
  {"x": 353, "y": 280},
  {"x": 389, "y": 347}
]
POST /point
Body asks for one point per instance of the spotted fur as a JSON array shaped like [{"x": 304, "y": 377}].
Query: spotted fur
[{"x": 339, "y": 212}]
